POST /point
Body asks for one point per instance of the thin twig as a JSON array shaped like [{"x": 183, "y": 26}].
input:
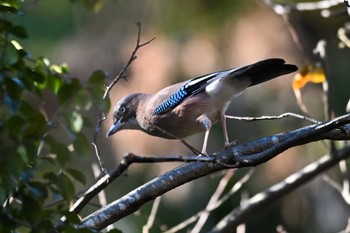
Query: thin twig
[
  {"x": 213, "y": 206},
  {"x": 342, "y": 189},
  {"x": 102, "y": 195},
  {"x": 214, "y": 198},
  {"x": 287, "y": 114},
  {"x": 152, "y": 216},
  {"x": 334, "y": 184},
  {"x": 237, "y": 186},
  {"x": 346, "y": 184},
  {"x": 101, "y": 115},
  {"x": 133, "y": 56}
]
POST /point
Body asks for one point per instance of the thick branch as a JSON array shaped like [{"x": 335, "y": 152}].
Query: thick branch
[
  {"x": 260, "y": 201},
  {"x": 244, "y": 155}
]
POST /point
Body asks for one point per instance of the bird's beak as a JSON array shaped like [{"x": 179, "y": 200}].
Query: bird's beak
[{"x": 115, "y": 127}]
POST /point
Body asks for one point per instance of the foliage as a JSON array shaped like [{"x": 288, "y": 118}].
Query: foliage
[{"x": 36, "y": 143}]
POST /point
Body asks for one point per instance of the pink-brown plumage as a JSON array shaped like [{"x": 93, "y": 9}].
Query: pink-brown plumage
[{"x": 202, "y": 102}]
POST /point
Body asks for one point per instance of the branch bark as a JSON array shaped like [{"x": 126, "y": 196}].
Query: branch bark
[
  {"x": 244, "y": 155},
  {"x": 262, "y": 200}
]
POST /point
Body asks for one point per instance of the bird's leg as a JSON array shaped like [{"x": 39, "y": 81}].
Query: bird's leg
[
  {"x": 194, "y": 150},
  {"x": 224, "y": 128},
  {"x": 227, "y": 143},
  {"x": 207, "y": 125}
]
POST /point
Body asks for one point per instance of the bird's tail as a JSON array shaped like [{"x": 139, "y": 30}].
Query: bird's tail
[{"x": 265, "y": 70}]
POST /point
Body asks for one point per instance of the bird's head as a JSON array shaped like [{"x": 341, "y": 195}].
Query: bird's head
[{"x": 124, "y": 115}]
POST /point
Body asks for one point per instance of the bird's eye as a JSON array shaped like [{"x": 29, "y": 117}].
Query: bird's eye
[{"x": 122, "y": 109}]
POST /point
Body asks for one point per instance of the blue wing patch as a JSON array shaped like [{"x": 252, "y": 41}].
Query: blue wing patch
[
  {"x": 172, "y": 101},
  {"x": 192, "y": 87}
]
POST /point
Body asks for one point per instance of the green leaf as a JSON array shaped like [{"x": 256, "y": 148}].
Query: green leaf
[
  {"x": 54, "y": 83},
  {"x": 68, "y": 89},
  {"x": 42, "y": 62},
  {"x": 65, "y": 187},
  {"x": 4, "y": 25},
  {"x": 31, "y": 210},
  {"x": 115, "y": 231},
  {"x": 35, "y": 76},
  {"x": 34, "y": 81},
  {"x": 62, "y": 69},
  {"x": 59, "y": 149},
  {"x": 38, "y": 190},
  {"x": 11, "y": 54},
  {"x": 97, "y": 96},
  {"x": 76, "y": 121},
  {"x": 71, "y": 217},
  {"x": 16, "y": 124},
  {"x": 87, "y": 122},
  {"x": 22, "y": 152},
  {"x": 98, "y": 78},
  {"x": 77, "y": 175},
  {"x": 14, "y": 87},
  {"x": 2, "y": 194},
  {"x": 36, "y": 124},
  {"x": 81, "y": 145},
  {"x": 19, "y": 31},
  {"x": 6, "y": 7},
  {"x": 82, "y": 100},
  {"x": 12, "y": 103},
  {"x": 49, "y": 176}
]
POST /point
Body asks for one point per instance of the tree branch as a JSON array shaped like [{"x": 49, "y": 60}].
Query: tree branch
[
  {"x": 244, "y": 155},
  {"x": 101, "y": 115},
  {"x": 133, "y": 56},
  {"x": 264, "y": 199}
]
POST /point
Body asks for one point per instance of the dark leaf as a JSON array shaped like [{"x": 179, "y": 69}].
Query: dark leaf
[
  {"x": 4, "y": 25},
  {"x": 31, "y": 210},
  {"x": 60, "y": 149},
  {"x": 71, "y": 217},
  {"x": 16, "y": 124},
  {"x": 68, "y": 89},
  {"x": 76, "y": 121},
  {"x": 82, "y": 100},
  {"x": 38, "y": 190},
  {"x": 97, "y": 78},
  {"x": 5, "y": 7},
  {"x": 65, "y": 187},
  {"x": 54, "y": 83},
  {"x": 77, "y": 175},
  {"x": 87, "y": 122},
  {"x": 82, "y": 146},
  {"x": 35, "y": 76},
  {"x": 115, "y": 231},
  {"x": 18, "y": 31},
  {"x": 12, "y": 103}
]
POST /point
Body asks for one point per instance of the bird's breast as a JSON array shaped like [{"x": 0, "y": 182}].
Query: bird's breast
[{"x": 181, "y": 121}]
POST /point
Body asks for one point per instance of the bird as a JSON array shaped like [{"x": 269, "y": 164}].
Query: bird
[{"x": 193, "y": 106}]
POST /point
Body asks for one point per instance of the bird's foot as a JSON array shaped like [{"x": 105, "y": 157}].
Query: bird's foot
[
  {"x": 230, "y": 144},
  {"x": 203, "y": 153}
]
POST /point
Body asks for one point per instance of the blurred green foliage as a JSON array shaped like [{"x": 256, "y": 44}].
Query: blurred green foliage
[
  {"x": 36, "y": 146},
  {"x": 40, "y": 148}
]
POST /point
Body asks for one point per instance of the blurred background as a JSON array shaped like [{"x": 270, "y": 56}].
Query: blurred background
[{"x": 194, "y": 38}]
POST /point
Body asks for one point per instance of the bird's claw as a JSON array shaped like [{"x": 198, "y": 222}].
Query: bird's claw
[{"x": 228, "y": 145}]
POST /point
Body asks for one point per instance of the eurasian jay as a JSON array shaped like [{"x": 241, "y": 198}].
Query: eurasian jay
[{"x": 190, "y": 107}]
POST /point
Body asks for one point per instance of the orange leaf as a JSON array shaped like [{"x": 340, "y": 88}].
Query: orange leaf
[{"x": 308, "y": 74}]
